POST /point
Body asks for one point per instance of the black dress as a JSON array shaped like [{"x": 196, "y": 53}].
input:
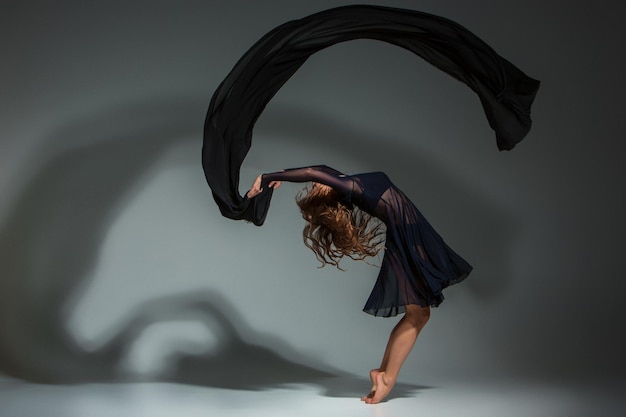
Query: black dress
[{"x": 417, "y": 263}]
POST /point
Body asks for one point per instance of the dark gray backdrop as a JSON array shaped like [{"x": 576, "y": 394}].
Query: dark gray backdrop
[{"x": 114, "y": 260}]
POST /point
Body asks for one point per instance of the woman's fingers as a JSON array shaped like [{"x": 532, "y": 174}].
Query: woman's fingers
[{"x": 256, "y": 187}]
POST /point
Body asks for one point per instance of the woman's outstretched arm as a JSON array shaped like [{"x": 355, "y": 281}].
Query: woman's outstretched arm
[{"x": 319, "y": 173}]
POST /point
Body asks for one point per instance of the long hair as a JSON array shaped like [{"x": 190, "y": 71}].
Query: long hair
[{"x": 335, "y": 229}]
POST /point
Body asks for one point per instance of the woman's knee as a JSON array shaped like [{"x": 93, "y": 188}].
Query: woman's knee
[{"x": 417, "y": 315}]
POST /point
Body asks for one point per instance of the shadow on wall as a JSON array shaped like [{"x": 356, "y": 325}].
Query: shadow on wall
[
  {"x": 49, "y": 245},
  {"x": 50, "y": 242},
  {"x": 237, "y": 364}
]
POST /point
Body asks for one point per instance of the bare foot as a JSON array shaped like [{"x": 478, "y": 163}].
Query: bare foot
[
  {"x": 383, "y": 388},
  {"x": 373, "y": 374}
]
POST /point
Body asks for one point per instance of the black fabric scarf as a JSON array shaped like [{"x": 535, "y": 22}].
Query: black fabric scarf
[{"x": 505, "y": 92}]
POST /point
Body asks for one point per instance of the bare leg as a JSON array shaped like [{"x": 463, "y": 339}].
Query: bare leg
[{"x": 401, "y": 341}]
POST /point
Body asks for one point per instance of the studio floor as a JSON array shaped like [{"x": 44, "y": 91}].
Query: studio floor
[{"x": 336, "y": 396}]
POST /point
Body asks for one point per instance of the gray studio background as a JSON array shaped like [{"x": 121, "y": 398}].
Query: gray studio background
[{"x": 115, "y": 262}]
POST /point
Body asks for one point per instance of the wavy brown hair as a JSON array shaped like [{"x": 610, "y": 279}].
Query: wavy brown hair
[{"x": 335, "y": 229}]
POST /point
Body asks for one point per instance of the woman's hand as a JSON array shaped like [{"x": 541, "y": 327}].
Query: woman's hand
[{"x": 256, "y": 187}]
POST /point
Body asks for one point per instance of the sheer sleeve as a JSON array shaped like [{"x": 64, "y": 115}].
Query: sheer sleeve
[{"x": 319, "y": 173}]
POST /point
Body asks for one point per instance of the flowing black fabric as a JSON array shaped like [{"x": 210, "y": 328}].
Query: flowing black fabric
[
  {"x": 417, "y": 264},
  {"x": 505, "y": 92}
]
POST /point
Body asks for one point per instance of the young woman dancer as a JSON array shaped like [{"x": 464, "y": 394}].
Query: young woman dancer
[{"x": 417, "y": 264}]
